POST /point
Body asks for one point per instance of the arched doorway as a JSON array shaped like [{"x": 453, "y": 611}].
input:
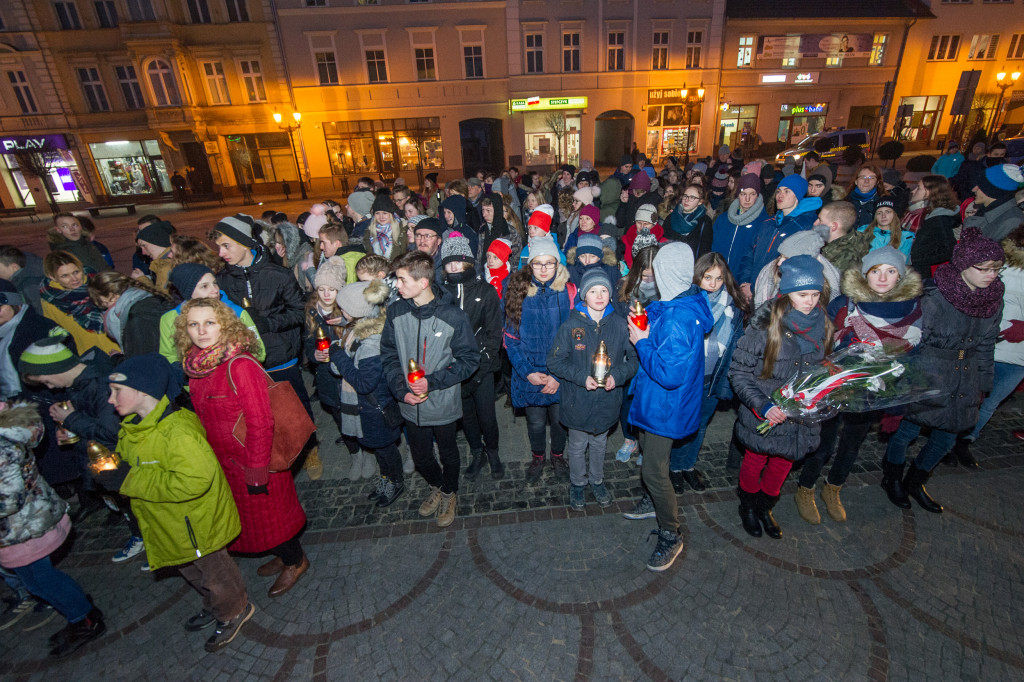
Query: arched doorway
[
  {"x": 613, "y": 136},
  {"x": 483, "y": 146}
]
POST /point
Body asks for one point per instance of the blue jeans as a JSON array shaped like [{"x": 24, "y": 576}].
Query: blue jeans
[
  {"x": 1006, "y": 378},
  {"x": 14, "y": 582},
  {"x": 627, "y": 429},
  {"x": 684, "y": 455},
  {"x": 938, "y": 446},
  {"x": 55, "y": 587}
]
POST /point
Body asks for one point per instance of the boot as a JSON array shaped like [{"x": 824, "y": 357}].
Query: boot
[
  {"x": 497, "y": 468},
  {"x": 313, "y": 466},
  {"x": 914, "y": 483},
  {"x": 536, "y": 468},
  {"x": 89, "y": 503},
  {"x": 962, "y": 452},
  {"x": 748, "y": 514},
  {"x": 77, "y": 635},
  {"x": 833, "y": 505},
  {"x": 476, "y": 462},
  {"x": 355, "y": 472},
  {"x": 765, "y": 504},
  {"x": 806, "y": 506},
  {"x": 369, "y": 465},
  {"x": 892, "y": 484}
]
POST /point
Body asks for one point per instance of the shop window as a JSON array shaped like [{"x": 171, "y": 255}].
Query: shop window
[
  {"x": 672, "y": 127},
  {"x": 1016, "y": 50},
  {"x": 983, "y": 46},
  {"x": 659, "y": 53},
  {"x": 95, "y": 94},
  {"x": 922, "y": 125},
  {"x": 22, "y": 92},
  {"x": 131, "y": 167},
  {"x": 106, "y": 13},
  {"x": 474, "y": 60},
  {"x": 746, "y": 51},
  {"x": 199, "y": 11},
  {"x": 425, "y": 70},
  {"x": 237, "y": 11},
  {"x": 60, "y": 181},
  {"x": 534, "y": 53},
  {"x": 738, "y": 124},
  {"x": 797, "y": 121},
  {"x": 943, "y": 48},
  {"x": 252, "y": 79},
  {"x": 141, "y": 10},
  {"x": 376, "y": 67},
  {"x": 836, "y": 60},
  {"x": 877, "y": 57},
  {"x": 616, "y": 50},
  {"x": 694, "y": 41},
  {"x": 326, "y": 68},
  {"x": 130, "y": 89},
  {"x": 67, "y": 15},
  {"x": 387, "y": 147},
  {"x": 216, "y": 83},
  {"x": 161, "y": 79},
  {"x": 571, "y": 51},
  {"x": 552, "y": 137},
  {"x": 262, "y": 157}
]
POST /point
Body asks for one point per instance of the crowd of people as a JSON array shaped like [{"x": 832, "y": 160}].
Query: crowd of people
[{"x": 645, "y": 301}]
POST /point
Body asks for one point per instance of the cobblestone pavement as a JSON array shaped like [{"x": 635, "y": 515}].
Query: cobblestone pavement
[{"x": 522, "y": 588}]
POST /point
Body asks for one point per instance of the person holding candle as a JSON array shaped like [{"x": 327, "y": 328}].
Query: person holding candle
[{"x": 594, "y": 360}]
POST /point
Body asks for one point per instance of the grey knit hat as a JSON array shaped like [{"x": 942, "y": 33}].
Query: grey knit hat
[
  {"x": 362, "y": 299},
  {"x": 456, "y": 248},
  {"x": 594, "y": 277},
  {"x": 805, "y": 243},
  {"x": 885, "y": 255},
  {"x": 543, "y": 246},
  {"x": 647, "y": 213},
  {"x": 332, "y": 273},
  {"x": 589, "y": 243}
]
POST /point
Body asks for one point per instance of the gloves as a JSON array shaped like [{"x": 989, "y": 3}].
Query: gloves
[
  {"x": 112, "y": 479},
  {"x": 258, "y": 489},
  {"x": 1014, "y": 333}
]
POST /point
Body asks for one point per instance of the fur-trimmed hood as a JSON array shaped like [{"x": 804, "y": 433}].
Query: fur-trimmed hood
[
  {"x": 377, "y": 294},
  {"x": 761, "y": 316},
  {"x": 1014, "y": 253},
  {"x": 18, "y": 422},
  {"x": 855, "y": 287},
  {"x": 368, "y": 326},
  {"x": 557, "y": 284},
  {"x": 607, "y": 257}
]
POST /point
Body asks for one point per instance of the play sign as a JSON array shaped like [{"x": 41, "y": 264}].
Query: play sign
[{"x": 20, "y": 143}]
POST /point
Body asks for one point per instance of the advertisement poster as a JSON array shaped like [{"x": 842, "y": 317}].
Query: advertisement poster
[{"x": 815, "y": 45}]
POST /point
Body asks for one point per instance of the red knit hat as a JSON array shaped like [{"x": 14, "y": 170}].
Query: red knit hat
[
  {"x": 541, "y": 217},
  {"x": 501, "y": 248}
]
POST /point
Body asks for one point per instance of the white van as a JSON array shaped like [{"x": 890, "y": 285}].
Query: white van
[{"x": 830, "y": 144}]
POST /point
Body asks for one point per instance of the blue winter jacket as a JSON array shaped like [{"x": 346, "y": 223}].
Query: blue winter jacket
[
  {"x": 772, "y": 231},
  {"x": 668, "y": 386},
  {"x": 735, "y": 242}
]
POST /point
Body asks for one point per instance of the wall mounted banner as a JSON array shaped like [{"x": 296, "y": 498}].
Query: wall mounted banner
[{"x": 815, "y": 45}]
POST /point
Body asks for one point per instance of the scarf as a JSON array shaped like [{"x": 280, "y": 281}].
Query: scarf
[
  {"x": 201, "y": 362},
  {"x": 10, "y": 380},
  {"x": 117, "y": 316},
  {"x": 691, "y": 219},
  {"x": 496, "y": 277},
  {"x": 717, "y": 340},
  {"x": 912, "y": 221},
  {"x": 382, "y": 240},
  {"x": 808, "y": 330},
  {"x": 74, "y": 302},
  {"x": 647, "y": 292},
  {"x": 861, "y": 196},
  {"x": 737, "y": 216},
  {"x": 981, "y": 303},
  {"x": 893, "y": 324}
]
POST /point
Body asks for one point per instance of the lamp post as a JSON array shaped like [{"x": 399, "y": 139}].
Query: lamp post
[
  {"x": 297, "y": 117},
  {"x": 1002, "y": 82},
  {"x": 690, "y": 101}
]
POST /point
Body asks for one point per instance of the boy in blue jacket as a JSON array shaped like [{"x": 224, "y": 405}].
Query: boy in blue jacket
[{"x": 667, "y": 389}]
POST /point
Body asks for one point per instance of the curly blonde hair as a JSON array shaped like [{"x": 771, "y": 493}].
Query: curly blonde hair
[{"x": 232, "y": 331}]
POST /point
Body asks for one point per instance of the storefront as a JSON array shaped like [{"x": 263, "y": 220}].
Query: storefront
[
  {"x": 922, "y": 124},
  {"x": 552, "y": 127},
  {"x": 262, "y": 158},
  {"x": 130, "y": 167},
  {"x": 797, "y": 121},
  {"x": 738, "y": 124},
  {"x": 673, "y": 124},
  {"x": 386, "y": 147},
  {"x": 47, "y": 155}
]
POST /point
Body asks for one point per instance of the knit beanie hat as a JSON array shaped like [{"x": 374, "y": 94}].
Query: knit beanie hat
[
  {"x": 885, "y": 202},
  {"x": 9, "y": 294},
  {"x": 592, "y": 212},
  {"x": 590, "y": 243},
  {"x": 642, "y": 241},
  {"x": 805, "y": 243},
  {"x": 361, "y": 202},
  {"x": 501, "y": 248},
  {"x": 640, "y": 181},
  {"x": 1001, "y": 181},
  {"x": 332, "y": 273},
  {"x": 594, "y": 277},
  {"x": 157, "y": 234},
  {"x": 432, "y": 224},
  {"x": 456, "y": 249},
  {"x": 974, "y": 248},
  {"x": 541, "y": 217},
  {"x": 586, "y": 195},
  {"x": 724, "y": 149},
  {"x": 317, "y": 219},
  {"x": 543, "y": 246},
  {"x": 822, "y": 178},
  {"x": 700, "y": 167},
  {"x": 885, "y": 255},
  {"x": 647, "y": 213},
  {"x": 46, "y": 357},
  {"x": 383, "y": 203},
  {"x": 238, "y": 228},
  {"x": 363, "y": 299},
  {"x": 149, "y": 373},
  {"x": 796, "y": 184},
  {"x": 186, "y": 276},
  {"x": 625, "y": 160},
  {"x": 754, "y": 167},
  {"x": 749, "y": 181},
  {"x": 800, "y": 273},
  {"x": 673, "y": 269}
]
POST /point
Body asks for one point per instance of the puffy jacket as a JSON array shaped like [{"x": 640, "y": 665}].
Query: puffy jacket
[
  {"x": 94, "y": 417},
  {"x": 479, "y": 300},
  {"x": 771, "y": 233},
  {"x": 1013, "y": 303},
  {"x": 276, "y": 306},
  {"x": 167, "y": 347},
  {"x": 734, "y": 241},
  {"x": 934, "y": 241},
  {"x": 571, "y": 360},
  {"x": 439, "y": 337},
  {"x": 669, "y": 382},
  {"x": 177, "y": 488}
]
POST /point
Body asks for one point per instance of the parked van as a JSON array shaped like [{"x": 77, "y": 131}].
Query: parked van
[{"x": 829, "y": 145}]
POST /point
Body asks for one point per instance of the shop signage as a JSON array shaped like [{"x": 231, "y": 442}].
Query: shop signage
[
  {"x": 19, "y": 143},
  {"x": 815, "y": 45},
  {"x": 804, "y": 109},
  {"x": 792, "y": 78},
  {"x": 664, "y": 96},
  {"x": 546, "y": 103}
]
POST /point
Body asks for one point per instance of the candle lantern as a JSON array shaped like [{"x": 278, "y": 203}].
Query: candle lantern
[
  {"x": 66, "y": 436},
  {"x": 638, "y": 316},
  {"x": 322, "y": 342},
  {"x": 415, "y": 374},
  {"x": 246, "y": 303},
  {"x": 100, "y": 458},
  {"x": 602, "y": 365}
]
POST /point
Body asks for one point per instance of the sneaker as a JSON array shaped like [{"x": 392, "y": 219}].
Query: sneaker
[
  {"x": 644, "y": 509},
  {"x": 601, "y": 494},
  {"x": 200, "y": 621},
  {"x": 576, "y": 501},
  {"x": 678, "y": 483},
  {"x": 145, "y": 566},
  {"x": 19, "y": 611},
  {"x": 77, "y": 635},
  {"x": 133, "y": 548},
  {"x": 377, "y": 489},
  {"x": 665, "y": 552},
  {"x": 535, "y": 469},
  {"x": 390, "y": 493},
  {"x": 227, "y": 631},
  {"x": 561, "y": 467},
  {"x": 446, "y": 510},
  {"x": 626, "y": 450},
  {"x": 433, "y": 501}
]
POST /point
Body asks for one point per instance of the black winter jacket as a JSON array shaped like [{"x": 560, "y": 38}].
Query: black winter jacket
[
  {"x": 479, "y": 300},
  {"x": 141, "y": 333},
  {"x": 94, "y": 418},
  {"x": 934, "y": 241}
]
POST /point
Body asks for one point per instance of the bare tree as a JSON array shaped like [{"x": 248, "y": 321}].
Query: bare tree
[
  {"x": 556, "y": 122},
  {"x": 38, "y": 164}
]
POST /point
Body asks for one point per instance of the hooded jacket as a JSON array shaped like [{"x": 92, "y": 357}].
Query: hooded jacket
[
  {"x": 848, "y": 251},
  {"x": 734, "y": 231},
  {"x": 479, "y": 300},
  {"x": 467, "y": 220},
  {"x": 495, "y": 229},
  {"x": 611, "y": 190},
  {"x": 771, "y": 233}
]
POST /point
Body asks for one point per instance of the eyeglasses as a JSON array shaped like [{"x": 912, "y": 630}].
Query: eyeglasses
[
  {"x": 425, "y": 237},
  {"x": 544, "y": 266},
  {"x": 866, "y": 177},
  {"x": 690, "y": 197},
  {"x": 990, "y": 271}
]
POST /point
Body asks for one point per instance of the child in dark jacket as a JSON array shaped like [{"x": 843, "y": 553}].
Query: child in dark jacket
[
  {"x": 590, "y": 408},
  {"x": 591, "y": 253},
  {"x": 791, "y": 331}
]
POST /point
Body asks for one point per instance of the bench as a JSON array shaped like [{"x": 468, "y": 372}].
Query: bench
[
  {"x": 17, "y": 212},
  {"x": 197, "y": 197},
  {"x": 94, "y": 211}
]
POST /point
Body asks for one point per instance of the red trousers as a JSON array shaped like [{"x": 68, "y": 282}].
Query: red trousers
[{"x": 763, "y": 473}]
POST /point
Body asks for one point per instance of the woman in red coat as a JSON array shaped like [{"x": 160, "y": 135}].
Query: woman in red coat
[{"x": 226, "y": 382}]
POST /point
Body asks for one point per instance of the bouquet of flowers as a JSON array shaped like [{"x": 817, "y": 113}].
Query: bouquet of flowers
[{"x": 860, "y": 378}]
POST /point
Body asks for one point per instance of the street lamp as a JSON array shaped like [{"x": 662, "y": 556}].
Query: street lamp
[
  {"x": 690, "y": 101},
  {"x": 1002, "y": 83},
  {"x": 279, "y": 119}
]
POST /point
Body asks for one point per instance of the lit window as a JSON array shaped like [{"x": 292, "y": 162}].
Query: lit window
[
  {"x": 252, "y": 78},
  {"x": 746, "y": 51},
  {"x": 878, "y": 49},
  {"x": 659, "y": 54},
  {"x": 983, "y": 46}
]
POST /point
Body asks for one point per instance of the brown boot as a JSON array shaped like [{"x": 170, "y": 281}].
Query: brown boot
[
  {"x": 313, "y": 466},
  {"x": 806, "y": 506},
  {"x": 430, "y": 505},
  {"x": 272, "y": 567},
  {"x": 446, "y": 510},
  {"x": 833, "y": 505},
  {"x": 289, "y": 576}
]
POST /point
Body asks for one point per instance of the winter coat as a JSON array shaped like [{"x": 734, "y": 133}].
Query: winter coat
[
  {"x": 29, "y": 508},
  {"x": 699, "y": 239},
  {"x": 496, "y": 229},
  {"x": 545, "y": 307},
  {"x": 82, "y": 249},
  {"x": 934, "y": 241},
  {"x": 956, "y": 351},
  {"x": 84, "y": 338},
  {"x": 772, "y": 231},
  {"x": 947, "y": 165},
  {"x": 720, "y": 387},
  {"x": 327, "y": 388},
  {"x": 479, "y": 300},
  {"x": 790, "y": 439},
  {"x": 571, "y": 361},
  {"x": 299, "y": 254},
  {"x": 858, "y": 297},
  {"x": 178, "y": 490},
  {"x": 611, "y": 189},
  {"x": 880, "y": 238},
  {"x": 998, "y": 219},
  {"x": 169, "y": 351},
  {"x": 866, "y": 207},
  {"x": 276, "y": 308},
  {"x": 267, "y": 520},
  {"x": 670, "y": 379},
  {"x": 466, "y": 218},
  {"x": 141, "y": 331},
  {"x": 94, "y": 417},
  {"x": 438, "y": 336},
  {"x": 735, "y": 240},
  {"x": 399, "y": 238},
  {"x": 766, "y": 286},
  {"x": 608, "y": 263},
  {"x": 360, "y": 366},
  {"x": 28, "y": 280},
  {"x": 849, "y": 250},
  {"x": 1013, "y": 303}
]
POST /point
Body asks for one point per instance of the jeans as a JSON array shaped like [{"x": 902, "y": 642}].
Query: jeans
[
  {"x": 654, "y": 475},
  {"x": 576, "y": 453},
  {"x": 855, "y": 427},
  {"x": 479, "y": 421},
  {"x": 443, "y": 475},
  {"x": 763, "y": 473},
  {"x": 1007, "y": 377},
  {"x": 217, "y": 578},
  {"x": 684, "y": 456},
  {"x": 55, "y": 587},
  {"x": 539, "y": 416},
  {"x": 390, "y": 462},
  {"x": 938, "y": 446},
  {"x": 628, "y": 430},
  {"x": 15, "y": 583}
]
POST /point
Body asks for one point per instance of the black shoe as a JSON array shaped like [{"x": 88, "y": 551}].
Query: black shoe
[
  {"x": 340, "y": 440},
  {"x": 748, "y": 514},
  {"x": 695, "y": 479},
  {"x": 77, "y": 635},
  {"x": 226, "y": 632},
  {"x": 949, "y": 460},
  {"x": 892, "y": 484},
  {"x": 914, "y": 483},
  {"x": 560, "y": 466},
  {"x": 476, "y": 463},
  {"x": 378, "y": 488},
  {"x": 535, "y": 469},
  {"x": 765, "y": 504},
  {"x": 497, "y": 468},
  {"x": 89, "y": 504},
  {"x": 678, "y": 482},
  {"x": 390, "y": 492},
  {"x": 962, "y": 452},
  {"x": 200, "y": 621}
]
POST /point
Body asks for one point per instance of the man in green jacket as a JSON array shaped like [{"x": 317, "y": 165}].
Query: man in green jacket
[{"x": 178, "y": 492}]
